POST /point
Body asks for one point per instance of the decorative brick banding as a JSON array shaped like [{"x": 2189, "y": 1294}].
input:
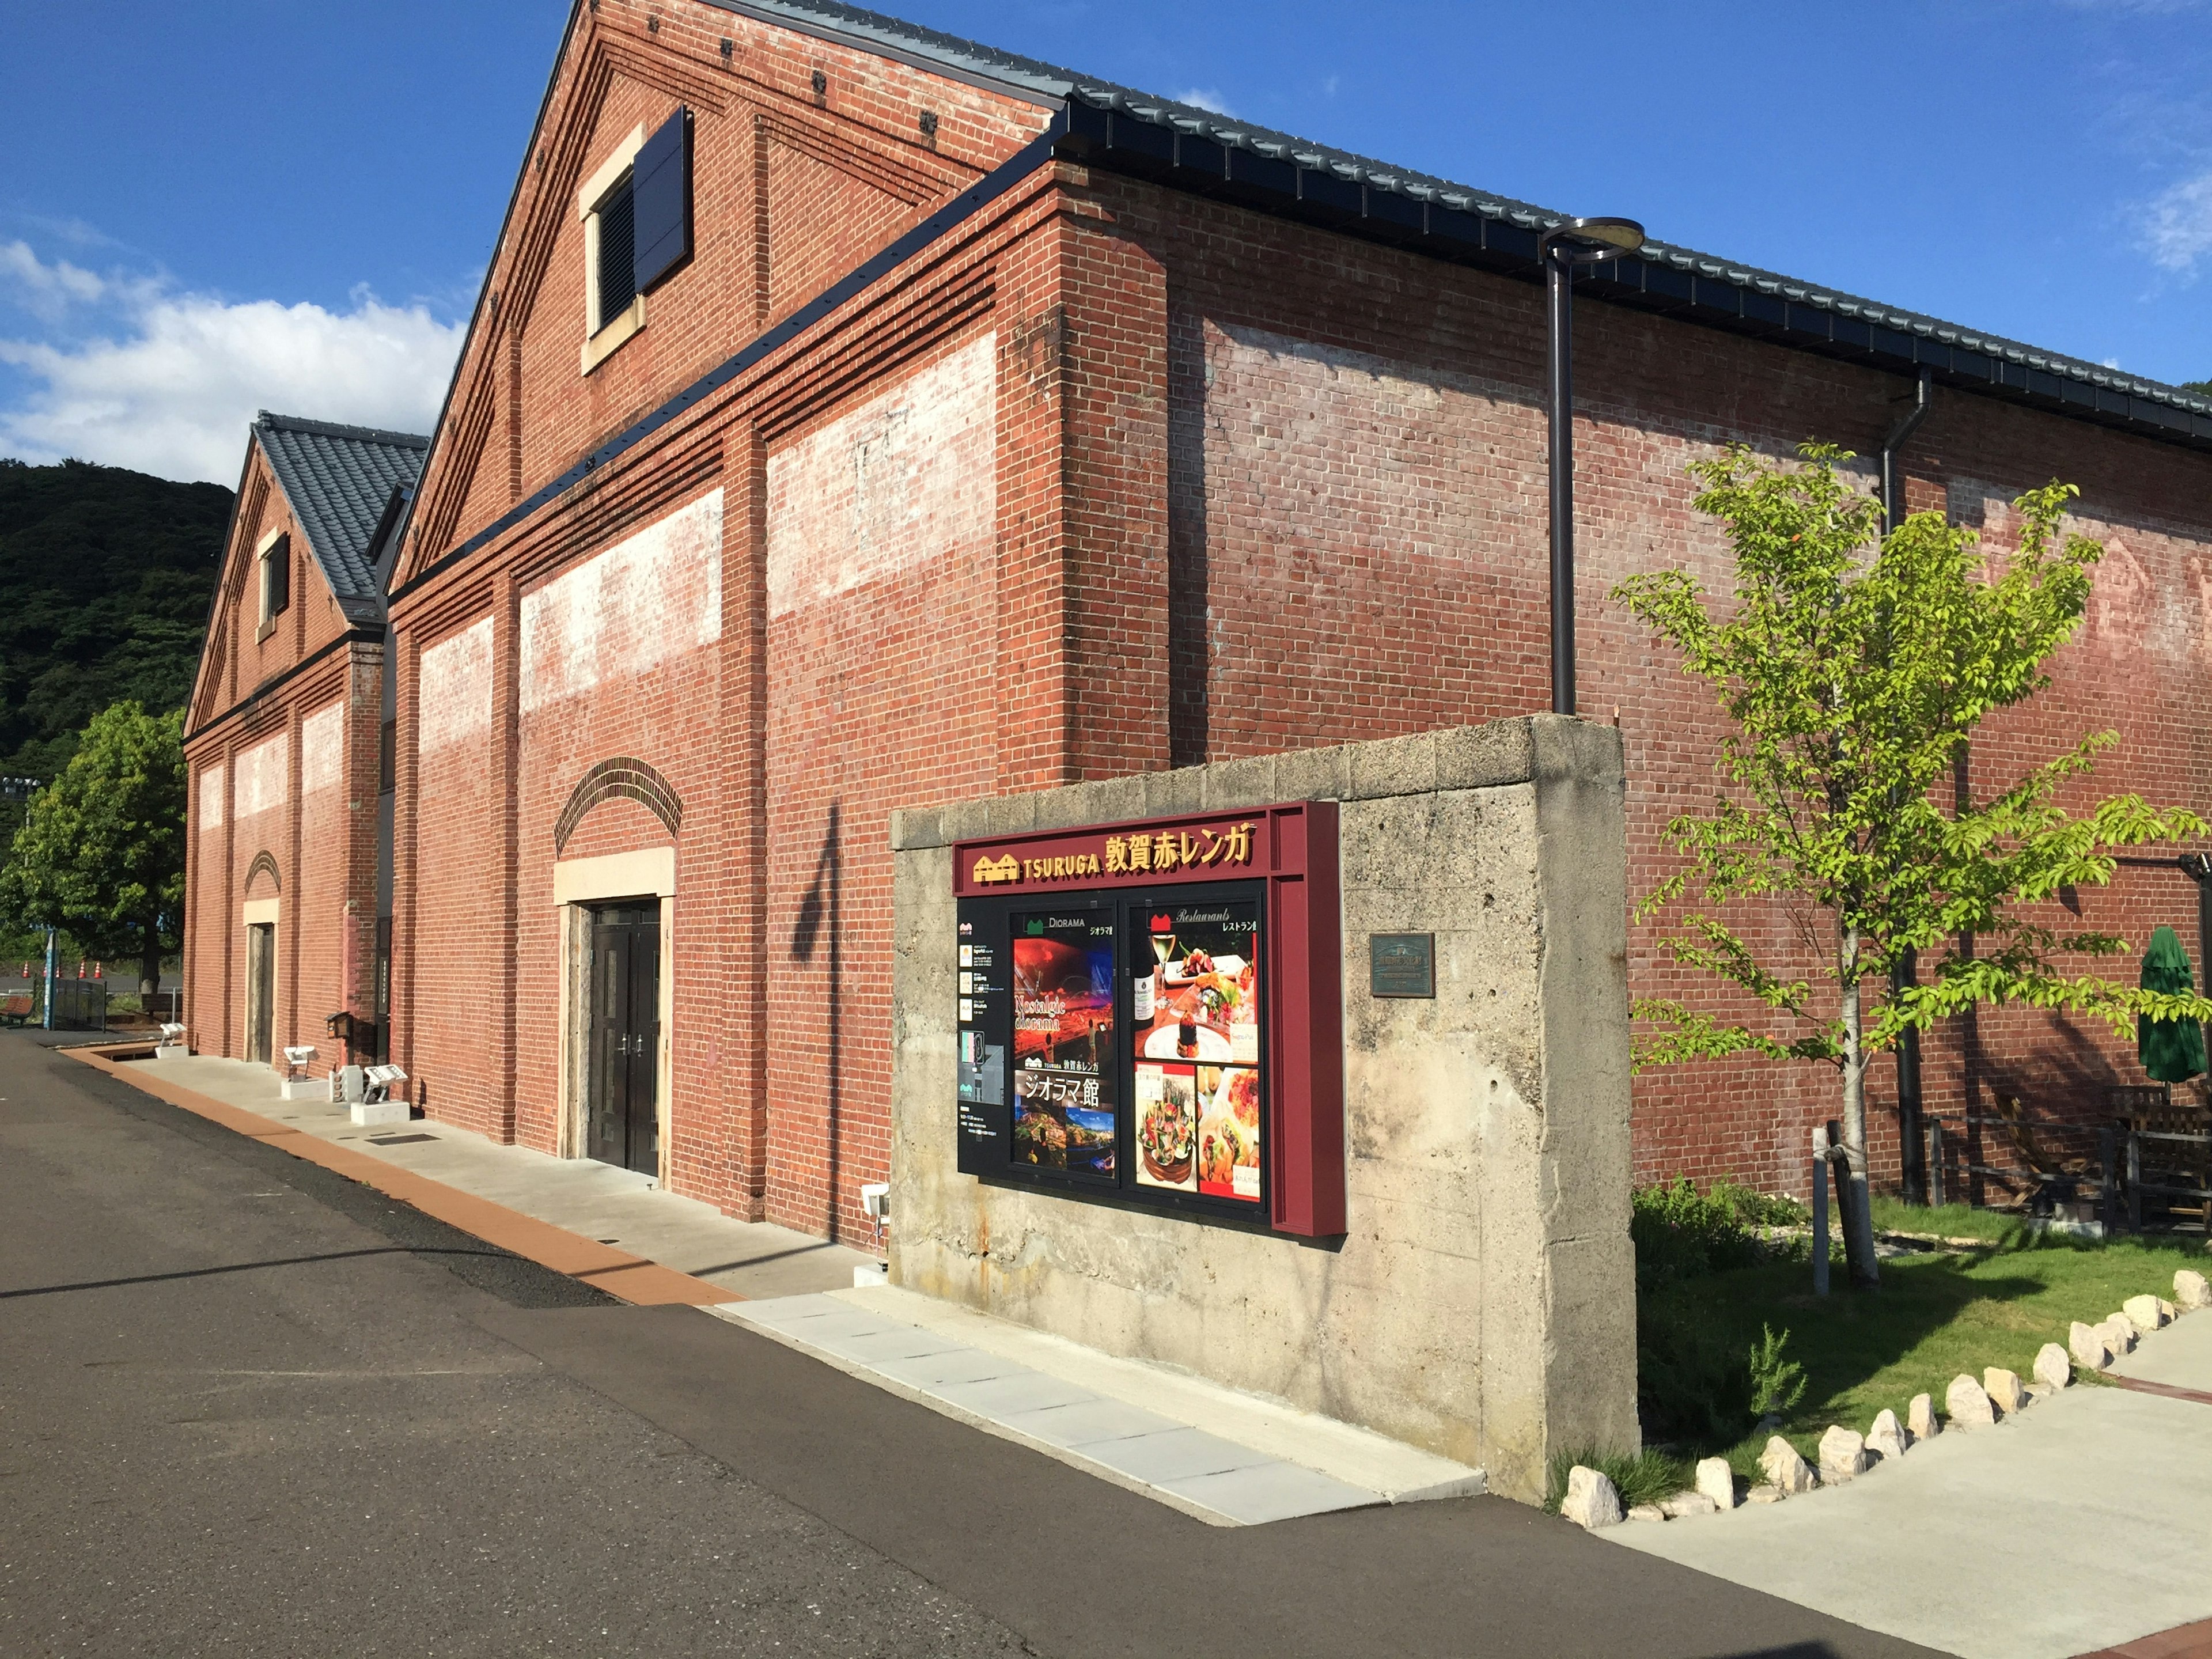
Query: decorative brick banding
[
  {"x": 265, "y": 863},
  {"x": 624, "y": 776}
]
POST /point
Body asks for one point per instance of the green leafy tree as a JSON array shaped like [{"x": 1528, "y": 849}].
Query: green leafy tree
[
  {"x": 1853, "y": 669},
  {"x": 101, "y": 850}
]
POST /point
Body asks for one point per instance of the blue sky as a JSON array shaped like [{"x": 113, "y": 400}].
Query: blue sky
[{"x": 211, "y": 207}]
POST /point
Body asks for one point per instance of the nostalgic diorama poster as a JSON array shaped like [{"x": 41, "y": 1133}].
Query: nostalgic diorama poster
[
  {"x": 1195, "y": 1047},
  {"x": 1064, "y": 1114}
]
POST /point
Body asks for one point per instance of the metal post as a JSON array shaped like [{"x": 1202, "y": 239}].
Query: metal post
[
  {"x": 1934, "y": 1160},
  {"x": 1820, "y": 1212},
  {"x": 53, "y": 973},
  {"x": 2107, "y": 1189},
  {"x": 1558, "y": 283},
  {"x": 2135, "y": 1181}
]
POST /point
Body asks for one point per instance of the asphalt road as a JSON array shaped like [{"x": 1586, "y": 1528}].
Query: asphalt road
[{"x": 247, "y": 1406}]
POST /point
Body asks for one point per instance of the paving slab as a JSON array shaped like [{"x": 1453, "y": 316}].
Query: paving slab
[
  {"x": 2180, "y": 1357},
  {"x": 2078, "y": 1525},
  {"x": 596, "y": 1201}
]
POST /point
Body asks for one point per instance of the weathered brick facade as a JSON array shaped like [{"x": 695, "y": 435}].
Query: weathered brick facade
[
  {"x": 283, "y": 743},
  {"x": 1103, "y": 476}
]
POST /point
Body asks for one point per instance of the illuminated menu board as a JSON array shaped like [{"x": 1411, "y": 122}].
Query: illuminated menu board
[
  {"x": 1119, "y": 1047},
  {"x": 1151, "y": 1014}
]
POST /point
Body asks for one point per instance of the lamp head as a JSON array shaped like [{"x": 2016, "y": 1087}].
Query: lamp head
[{"x": 1591, "y": 241}]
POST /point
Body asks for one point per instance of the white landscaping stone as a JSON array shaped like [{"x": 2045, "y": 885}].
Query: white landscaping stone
[
  {"x": 1591, "y": 1500},
  {"x": 2004, "y": 1390},
  {"x": 2052, "y": 1369},
  {"x": 2143, "y": 1312},
  {"x": 1763, "y": 1494},
  {"x": 1887, "y": 1439},
  {"x": 1785, "y": 1469},
  {"x": 1684, "y": 1503},
  {"x": 2168, "y": 1310},
  {"x": 2192, "y": 1290},
  {"x": 2119, "y": 1334},
  {"x": 1920, "y": 1419},
  {"x": 2088, "y": 1346},
  {"x": 1842, "y": 1456},
  {"x": 1967, "y": 1404},
  {"x": 1647, "y": 1512},
  {"x": 1717, "y": 1481}
]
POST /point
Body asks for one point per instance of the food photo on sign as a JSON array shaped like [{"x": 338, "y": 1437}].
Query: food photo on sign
[
  {"x": 1063, "y": 983},
  {"x": 1195, "y": 1036}
]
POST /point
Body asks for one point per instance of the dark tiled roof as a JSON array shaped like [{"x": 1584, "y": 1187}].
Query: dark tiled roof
[
  {"x": 1663, "y": 274},
  {"x": 339, "y": 482}
]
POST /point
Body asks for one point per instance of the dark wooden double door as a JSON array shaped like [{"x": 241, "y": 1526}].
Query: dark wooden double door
[{"x": 622, "y": 1124}]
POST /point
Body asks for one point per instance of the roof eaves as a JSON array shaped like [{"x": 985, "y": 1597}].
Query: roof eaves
[{"x": 1203, "y": 151}]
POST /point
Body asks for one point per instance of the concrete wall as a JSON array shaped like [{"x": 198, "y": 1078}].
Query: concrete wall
[{"x": 1482, "y": 1302}]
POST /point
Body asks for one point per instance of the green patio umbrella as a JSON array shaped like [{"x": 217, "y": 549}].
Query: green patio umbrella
[{"x": 2172, "y": 1050}]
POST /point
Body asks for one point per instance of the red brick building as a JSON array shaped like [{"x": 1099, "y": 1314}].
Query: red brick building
[
  {"x": 856, "y": 419},
  {"x": 284, "y": 738}
]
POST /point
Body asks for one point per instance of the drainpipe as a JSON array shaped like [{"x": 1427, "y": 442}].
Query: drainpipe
[{"x": 1911, "y": 1148}]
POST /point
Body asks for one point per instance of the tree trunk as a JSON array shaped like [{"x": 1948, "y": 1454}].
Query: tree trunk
[
  {"x": 149, "y": 971},
  {"x": 1858, "y": 1218}
]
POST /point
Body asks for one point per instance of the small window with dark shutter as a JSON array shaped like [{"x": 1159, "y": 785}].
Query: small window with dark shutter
[
  {"x": 276, "y": 579},
  {"x": 661, "y": 194},
  {"x": 618, "y": 281}
]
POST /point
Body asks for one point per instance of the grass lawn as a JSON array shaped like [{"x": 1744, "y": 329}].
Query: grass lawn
[{"x": 1934, "y": 1317}]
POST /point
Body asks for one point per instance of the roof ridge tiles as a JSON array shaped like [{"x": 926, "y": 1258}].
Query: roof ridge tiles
[{"x": 271, "y": 422}]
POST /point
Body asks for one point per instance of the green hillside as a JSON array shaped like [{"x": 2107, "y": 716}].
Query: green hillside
[{"x": 104, "y": 579}]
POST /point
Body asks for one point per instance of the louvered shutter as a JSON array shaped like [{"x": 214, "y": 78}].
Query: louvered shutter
[{"x": 661, "y": 197}]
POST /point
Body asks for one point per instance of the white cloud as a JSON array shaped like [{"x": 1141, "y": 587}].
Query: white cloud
[
  {"x": 2178, "y": 229},
  {"x": 166, "y": 381},
  {"x": 1206, "y": 98}
]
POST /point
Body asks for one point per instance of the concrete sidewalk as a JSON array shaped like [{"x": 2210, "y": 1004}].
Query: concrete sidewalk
[
  {"x": 593, "y": 1201},
  {"x": 2081, "y": 1524},
  {"x": 1215, "y": 1454}
]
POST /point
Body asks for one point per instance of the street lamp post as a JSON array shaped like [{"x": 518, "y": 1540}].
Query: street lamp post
[{"x": 1574, "y": 242}]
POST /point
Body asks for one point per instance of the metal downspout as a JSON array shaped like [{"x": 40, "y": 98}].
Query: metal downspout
[{"x": 1911, "y": 1144}]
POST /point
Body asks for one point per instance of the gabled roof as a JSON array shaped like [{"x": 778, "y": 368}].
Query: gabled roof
[
  {"x": 1198, "y": 149},
  {"x": 340, "y": 481}
]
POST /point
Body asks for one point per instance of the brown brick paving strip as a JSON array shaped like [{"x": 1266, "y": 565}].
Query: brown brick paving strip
[
  {"x": 619, "y": 1273},
  {"x": 2164, "y": 1390},
  {"x": 2187, "y": 1642}
]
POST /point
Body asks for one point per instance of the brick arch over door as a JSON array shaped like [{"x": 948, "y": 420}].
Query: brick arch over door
[
  {"x": 624, "y": 776},
  {"x": 265, "y": 863}
]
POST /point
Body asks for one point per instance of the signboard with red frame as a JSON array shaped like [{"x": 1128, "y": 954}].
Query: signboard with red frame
[{"x": 1150, "y": 1014}]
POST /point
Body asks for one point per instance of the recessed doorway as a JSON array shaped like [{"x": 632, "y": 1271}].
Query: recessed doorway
[
  {"x": 622, "y": 1124},
  {"x": 260, "y": 989}
]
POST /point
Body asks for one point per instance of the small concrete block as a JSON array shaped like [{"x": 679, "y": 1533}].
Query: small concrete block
[
  {"x": 915, "y": 826},
  {"x": 1003, "y": 1396},
  {"x": 307, "y": 1088},
  {"x": 1967, "y": 1403},
  {"x": 1484, "y": 757},
  {"x": 371, "y": 1114},
  {"x": 171, "y": 1051},
  {"x": 2004, "y": 1390},
  {"x": 1646, "y": 1512},
  {"x": 1393, "y": 766},
  {"x": 1717, "y": 1481},
  {"x": 1764, "y": 1494},
  {"x": 1180, "y": 1454},
  {"x": 2088, "y": 1346},
  {"x": 1683, "y": 1504},
  {"x": 1313, "y": 774},
  {"x": 2145, "y": 1313},
  {"x": 2191, "y": 1290},
  {"x": 869, "y": 1274},
  {"x": 1173, "y": 794},
  {"x": 1887, "y": 1438},
  {"x": 1591, "y": 1501},
  {"x": 1842, "y": 1456},
  {"x": 1273, "y": 1491},
  {"x": 1239, "y": 784},
  {"x": 1785, "y": 1469},
  {"x": 1920, "y": 1419},
  {"x": 2052, "y": 1368}
]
